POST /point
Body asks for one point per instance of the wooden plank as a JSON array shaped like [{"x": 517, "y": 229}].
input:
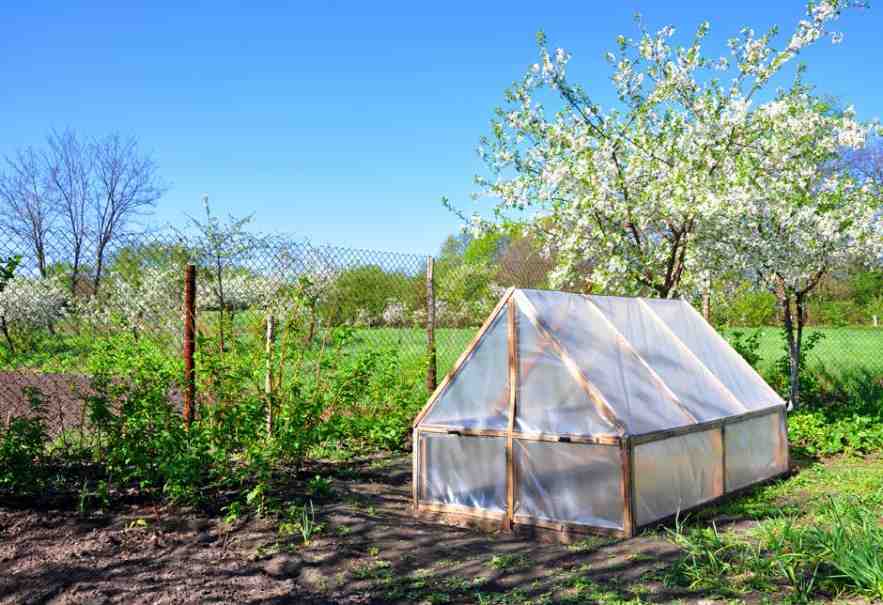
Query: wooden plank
[
  {"x": 611, "y": 440},
  {"x": 463, "y": 357},
  {"x": 604, "y": 409},
  {"x": 446, "y": 430},
  {"x": 562, "y": 526},
  {"x": 724, "y": 457},
  {"x": 702, "y": 426},
  {"x": 479, "y": 513},
  {"x": 421, "y": 486},
  {"x": 628, "y": 523},
  {"x": 721, "y": 386},
  {"x": 653, "y": 375},
  {"x": 415, "y": 461},
  {"x": 513, "y": 392}
]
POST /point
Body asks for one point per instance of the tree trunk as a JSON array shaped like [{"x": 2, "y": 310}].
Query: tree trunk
[
  {"x": 7, "y": 335},
  {"x": 793, "y": 335}
]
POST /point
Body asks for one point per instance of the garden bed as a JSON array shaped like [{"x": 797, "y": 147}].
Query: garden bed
[{"x": 370, "y": 550}]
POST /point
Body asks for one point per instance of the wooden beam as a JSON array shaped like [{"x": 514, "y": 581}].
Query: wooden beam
[
  {"x": 513, "y": 394},
  {"x": 702, "y": 426},
  {"x": 628, "y": 518}
]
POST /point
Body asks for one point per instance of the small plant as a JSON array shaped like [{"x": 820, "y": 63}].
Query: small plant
[
  {"x": 320, "y": 487},
  {"x": 301, "y": 520},
  {"x": 508, "y": 561}
]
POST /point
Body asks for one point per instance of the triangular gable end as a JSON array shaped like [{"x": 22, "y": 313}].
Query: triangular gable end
[{"x": 475, "y": 393}]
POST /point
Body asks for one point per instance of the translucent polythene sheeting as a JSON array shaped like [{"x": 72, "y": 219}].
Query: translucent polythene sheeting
[
  {"x": 478, "y": 395},
  {"x": 569, "y": 482},
  {"x": 624, "y": 382},
  {"x": 677, "y": 473},
  {"x": 756, "y": 450},
  {"x": 696, "y": 388},
  {"x": 550, "y": 399},
  {"x": 465, "y": 471},
  {"x": 718, "y": 356}
]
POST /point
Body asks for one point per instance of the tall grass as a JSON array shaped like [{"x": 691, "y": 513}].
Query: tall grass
[{"x": 835, "y": 551}]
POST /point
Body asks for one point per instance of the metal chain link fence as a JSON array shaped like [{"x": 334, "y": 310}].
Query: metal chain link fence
[{"x": 61, "y": 298}]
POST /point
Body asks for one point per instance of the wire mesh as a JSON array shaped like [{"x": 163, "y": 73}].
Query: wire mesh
[{"x": 67, "y": 295}]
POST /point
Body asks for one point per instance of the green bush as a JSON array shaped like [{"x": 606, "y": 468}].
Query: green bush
[
  {"x": 837, "y": 313},
  {"x": 373, "y": 396},
  {"x": 23, "y": 444},
  {"x": 847, "y": 416}
]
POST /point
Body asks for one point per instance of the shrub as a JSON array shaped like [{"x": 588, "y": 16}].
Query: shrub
[
  {"x": 848, "y": 416},
  {"x": 22, "y": 446},
  {"x": 747, "y": 345}
]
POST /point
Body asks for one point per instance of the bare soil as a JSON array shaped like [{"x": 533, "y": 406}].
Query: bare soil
[{"x": 371, "y": 550}]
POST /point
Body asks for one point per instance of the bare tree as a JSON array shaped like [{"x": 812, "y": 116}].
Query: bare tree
[
  {"x": 69, "y": 172},
  {"x": 127, "y": 185},
  {"x": 27, "y": 209}
]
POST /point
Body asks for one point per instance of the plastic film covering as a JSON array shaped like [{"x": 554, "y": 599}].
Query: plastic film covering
[
  {"x": 478, "y": 395},
  {"x": 717, "y": 355},
  {"x": 677, "y": 473},
  {"x": 756, "y": 450},
  {"x": 550, "y": 399},
  {"x": 464, "y": 471},
  {"x": 694, "y": 385},
  {"x": 624, "y": 382},
  {"x": 569, "y": 482}
]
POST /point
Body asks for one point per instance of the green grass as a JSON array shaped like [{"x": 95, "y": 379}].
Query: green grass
[{"x": 840, "y": 349}]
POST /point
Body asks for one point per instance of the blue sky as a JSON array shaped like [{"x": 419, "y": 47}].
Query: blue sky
[{"x": 341, "y": 122}]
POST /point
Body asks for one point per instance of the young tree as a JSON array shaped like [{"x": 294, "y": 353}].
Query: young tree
[
  {"x": 218, "y": 244},
  {"x": 127, "y": 185},
  {"x": 633, "y": 187},
  {"x": 27, "y": 211}
]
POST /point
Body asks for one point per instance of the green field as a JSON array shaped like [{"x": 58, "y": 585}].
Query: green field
[{"x": 841, "y": 349}]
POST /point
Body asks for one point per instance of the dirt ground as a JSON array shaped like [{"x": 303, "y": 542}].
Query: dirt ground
[{"x": 371, "y": 550}]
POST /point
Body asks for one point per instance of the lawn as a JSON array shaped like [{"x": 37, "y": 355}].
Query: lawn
[{"x": 840, "y": 349}]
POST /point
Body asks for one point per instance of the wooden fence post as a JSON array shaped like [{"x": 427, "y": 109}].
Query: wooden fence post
[
  {"x": 431, "y": 371},
  {"x": 706, "y": 299},
  {"x": 268, "y": 379},
  {"x": 189, "y": 344}
]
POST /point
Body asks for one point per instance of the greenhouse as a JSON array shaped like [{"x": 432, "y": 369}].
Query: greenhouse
[{"x": 571, "y": 413}]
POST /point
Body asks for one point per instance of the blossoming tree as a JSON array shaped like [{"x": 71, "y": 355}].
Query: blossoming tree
[
  {"x": 795, "y": 213},
  {"x": 691, "y": 170},
  {"x": 632, "y": 188}
]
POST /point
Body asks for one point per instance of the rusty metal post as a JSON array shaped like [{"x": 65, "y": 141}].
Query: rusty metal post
[
  {"x": 189, "y": 344},
  {"x": 431, "y": 370}
]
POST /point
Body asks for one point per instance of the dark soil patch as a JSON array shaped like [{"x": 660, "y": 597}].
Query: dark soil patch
[{"x": 371, "y": 550}]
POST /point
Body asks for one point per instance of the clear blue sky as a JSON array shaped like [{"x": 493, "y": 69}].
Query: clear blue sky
[{"x": 341, "y": 122}]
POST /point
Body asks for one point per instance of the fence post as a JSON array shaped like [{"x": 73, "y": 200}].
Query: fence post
[
  {"x": 268, "y": 378},
  {"x": 706, "y": 299},
  {"x": 431, "y": 370},
  {"x": 189, "y": 343}
]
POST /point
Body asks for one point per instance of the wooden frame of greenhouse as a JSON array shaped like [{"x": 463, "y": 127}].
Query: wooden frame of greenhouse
[{"x": 570, "y": 414}]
